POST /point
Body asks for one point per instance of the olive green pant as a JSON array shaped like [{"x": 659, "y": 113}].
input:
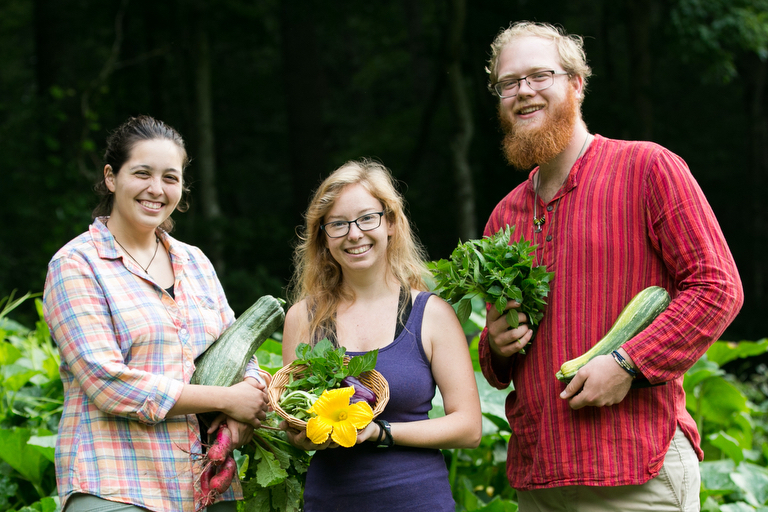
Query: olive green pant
[
  {"x": 88, "y": 503},
  {"x": 676, "y": 488}
]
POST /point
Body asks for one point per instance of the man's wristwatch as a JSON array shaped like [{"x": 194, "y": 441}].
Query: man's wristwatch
[{"x": 385, "y": 435}]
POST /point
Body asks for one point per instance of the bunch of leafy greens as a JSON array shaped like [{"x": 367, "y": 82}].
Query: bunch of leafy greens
[
  {"x": 497, "y": 271},
  {"x": 273, "y": 471},
  {"x": 326, "y": 368}
]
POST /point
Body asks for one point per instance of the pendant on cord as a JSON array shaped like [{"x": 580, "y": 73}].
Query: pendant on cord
[{"x": 538, "y": 223}]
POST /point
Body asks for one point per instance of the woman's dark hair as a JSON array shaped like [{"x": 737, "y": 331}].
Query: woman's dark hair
[{"x": 121, "y": 142}]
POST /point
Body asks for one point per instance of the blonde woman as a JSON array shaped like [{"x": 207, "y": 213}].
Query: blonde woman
[{"x": 359, "y": 282}]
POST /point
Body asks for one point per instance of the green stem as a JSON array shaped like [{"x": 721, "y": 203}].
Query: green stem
[{"x": 454, "y": 467}]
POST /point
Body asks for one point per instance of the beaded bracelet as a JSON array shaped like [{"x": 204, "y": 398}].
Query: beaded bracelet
[{"x": 624, "y": 364}]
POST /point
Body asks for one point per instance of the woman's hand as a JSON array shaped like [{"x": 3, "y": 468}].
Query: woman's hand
[
  {"x": 242, "y": 433},
  {"x": 370, "y": 433},
  {"x": 503, "y": 340},
  {"x": 299, "y": 439},
  {"x": 248, "y": 402}
]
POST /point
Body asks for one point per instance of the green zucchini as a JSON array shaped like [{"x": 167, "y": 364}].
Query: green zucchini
[
  {"x": 636, "y": 316},
  {"x": 224, "y": 362}
]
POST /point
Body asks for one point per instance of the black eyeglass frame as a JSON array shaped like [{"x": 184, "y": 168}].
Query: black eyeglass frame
[
  {"x": 349, "y": 224},
  {"x": 495, "y": 87}
]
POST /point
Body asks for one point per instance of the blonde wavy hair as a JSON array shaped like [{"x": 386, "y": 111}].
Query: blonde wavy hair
[
  {"x": 318, "y": 277},
  {"x": 569, "y": 47}
]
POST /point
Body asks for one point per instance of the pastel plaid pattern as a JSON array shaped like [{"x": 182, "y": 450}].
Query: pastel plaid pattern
[{"x": 127, "y": 348}]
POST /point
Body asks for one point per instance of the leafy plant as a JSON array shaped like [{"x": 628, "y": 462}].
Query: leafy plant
[
  {"x": 497, "y": 271},
  {"x": 326, "y": 368},
  {"x": 731, "y": 418},
  {"x": 272, "y": 472},
  {"x": 31, "y": 400}
]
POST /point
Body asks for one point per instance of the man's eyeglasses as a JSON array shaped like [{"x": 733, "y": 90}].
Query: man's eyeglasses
[
  {"x": 339, "y": 228},
  {"x": 537, "y": 81}
]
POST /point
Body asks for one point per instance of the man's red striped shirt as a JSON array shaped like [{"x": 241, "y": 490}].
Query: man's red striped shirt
[{"x": 629, "y": 216}]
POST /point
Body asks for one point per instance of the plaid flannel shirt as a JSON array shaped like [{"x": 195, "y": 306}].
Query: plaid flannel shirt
[{"x": 127, "y": 349}]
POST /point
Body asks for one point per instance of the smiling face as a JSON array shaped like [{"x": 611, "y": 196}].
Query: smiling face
[
  {"x": 538, "y": 125},
  {"x": 147, "y": 187},
  {"x": 358, "y": 250}
]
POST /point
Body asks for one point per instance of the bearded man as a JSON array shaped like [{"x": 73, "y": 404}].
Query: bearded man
[{"x": 609, "y": 218}]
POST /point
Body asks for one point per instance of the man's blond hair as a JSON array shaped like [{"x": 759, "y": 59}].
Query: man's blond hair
[{"x": 569, "y": 47}]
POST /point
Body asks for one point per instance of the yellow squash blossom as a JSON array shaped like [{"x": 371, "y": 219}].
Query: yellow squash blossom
[{"x": 337, "y": 418}]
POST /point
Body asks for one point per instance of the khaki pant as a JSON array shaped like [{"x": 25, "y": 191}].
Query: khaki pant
[
  {"x": 87, "y": 502},
  {"x": 676, "y": 488}
]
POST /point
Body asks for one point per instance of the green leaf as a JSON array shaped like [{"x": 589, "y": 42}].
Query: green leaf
[
  {"x": 720, "y": 400},
  {"x": 716, "y": 475},
  {"x": 8, "y": 354},
  {"x": 46, "y": 504},
  {"x": 753, "y": 481},
  {"x": 257, "y": 502},
  {"x": 512, "y": 319},
  {"x": 362, "y": 363},
  {"x": 722, "y": 352},
  {"x": 727, "y": 445},
  {"x": 16, "y": 376},
  {"x": 21, "y": 456},
  {"x": 45, "y": 444},
  {"x": 464, "y": 309},
  {"x": 495, "y": 269},
  {"x": 268, "y": 469}
]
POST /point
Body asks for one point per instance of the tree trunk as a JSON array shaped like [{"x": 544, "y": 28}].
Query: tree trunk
[
  {"x": 304, "y": 82},
  {"x": 206, "y": 152},
  {"x": 462, "y": 137},
  {"x": 429, "y": 90},
  {"x": 639, "y": 34},
  {"x": 755, "y": 73},
  {"x": 46, "y": 42}
]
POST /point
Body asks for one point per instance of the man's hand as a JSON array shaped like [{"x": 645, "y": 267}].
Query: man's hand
[
  {"x": 598, "y": 383},
  {"x": 502, "y": 339}
]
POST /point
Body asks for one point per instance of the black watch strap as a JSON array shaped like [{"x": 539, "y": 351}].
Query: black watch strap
[{"x": 385, "y": 435}]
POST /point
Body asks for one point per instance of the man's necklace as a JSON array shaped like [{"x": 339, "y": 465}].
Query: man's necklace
[
  {"x": 145, "y": 269},
  {"x": 538, "y": 222}
]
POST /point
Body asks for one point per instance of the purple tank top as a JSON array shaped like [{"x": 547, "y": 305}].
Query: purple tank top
[{"x": 369, "y": 479}]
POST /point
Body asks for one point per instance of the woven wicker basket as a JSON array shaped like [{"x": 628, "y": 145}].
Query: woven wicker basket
[{"x": 373, "y": 379}]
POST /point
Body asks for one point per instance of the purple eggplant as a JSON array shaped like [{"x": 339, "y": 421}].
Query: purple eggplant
[{"x": 362, "y": 392}]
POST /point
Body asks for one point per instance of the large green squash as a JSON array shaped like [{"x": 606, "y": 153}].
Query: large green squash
[{"x": 636, "y": 316}]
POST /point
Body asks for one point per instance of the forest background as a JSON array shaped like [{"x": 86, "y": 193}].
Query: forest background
[{"x": 273, "y": 95}]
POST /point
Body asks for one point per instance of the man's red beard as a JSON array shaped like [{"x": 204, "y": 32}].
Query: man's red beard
[{"x": 527, "y": 147}]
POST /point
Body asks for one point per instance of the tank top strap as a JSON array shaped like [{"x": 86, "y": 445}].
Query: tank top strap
[{"x": 419, "y": 305}]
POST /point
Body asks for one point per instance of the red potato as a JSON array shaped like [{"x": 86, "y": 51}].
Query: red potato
[
  {"x": 224, "y": 476},
  {"x": 205, "y": 486},
  {"x": 222, "y": 446}
]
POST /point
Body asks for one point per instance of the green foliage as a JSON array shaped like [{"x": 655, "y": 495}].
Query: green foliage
[
  {"x": 31, "y": 399},
  {"x": 273, "y": 473},
  {"x": 326, "y": 368},
  {"x": 720, "y": 32},
  {"x": 496, "y": 271},
  {"x": 730, "y": 413},
  {"x": 731, "y": 418}
]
